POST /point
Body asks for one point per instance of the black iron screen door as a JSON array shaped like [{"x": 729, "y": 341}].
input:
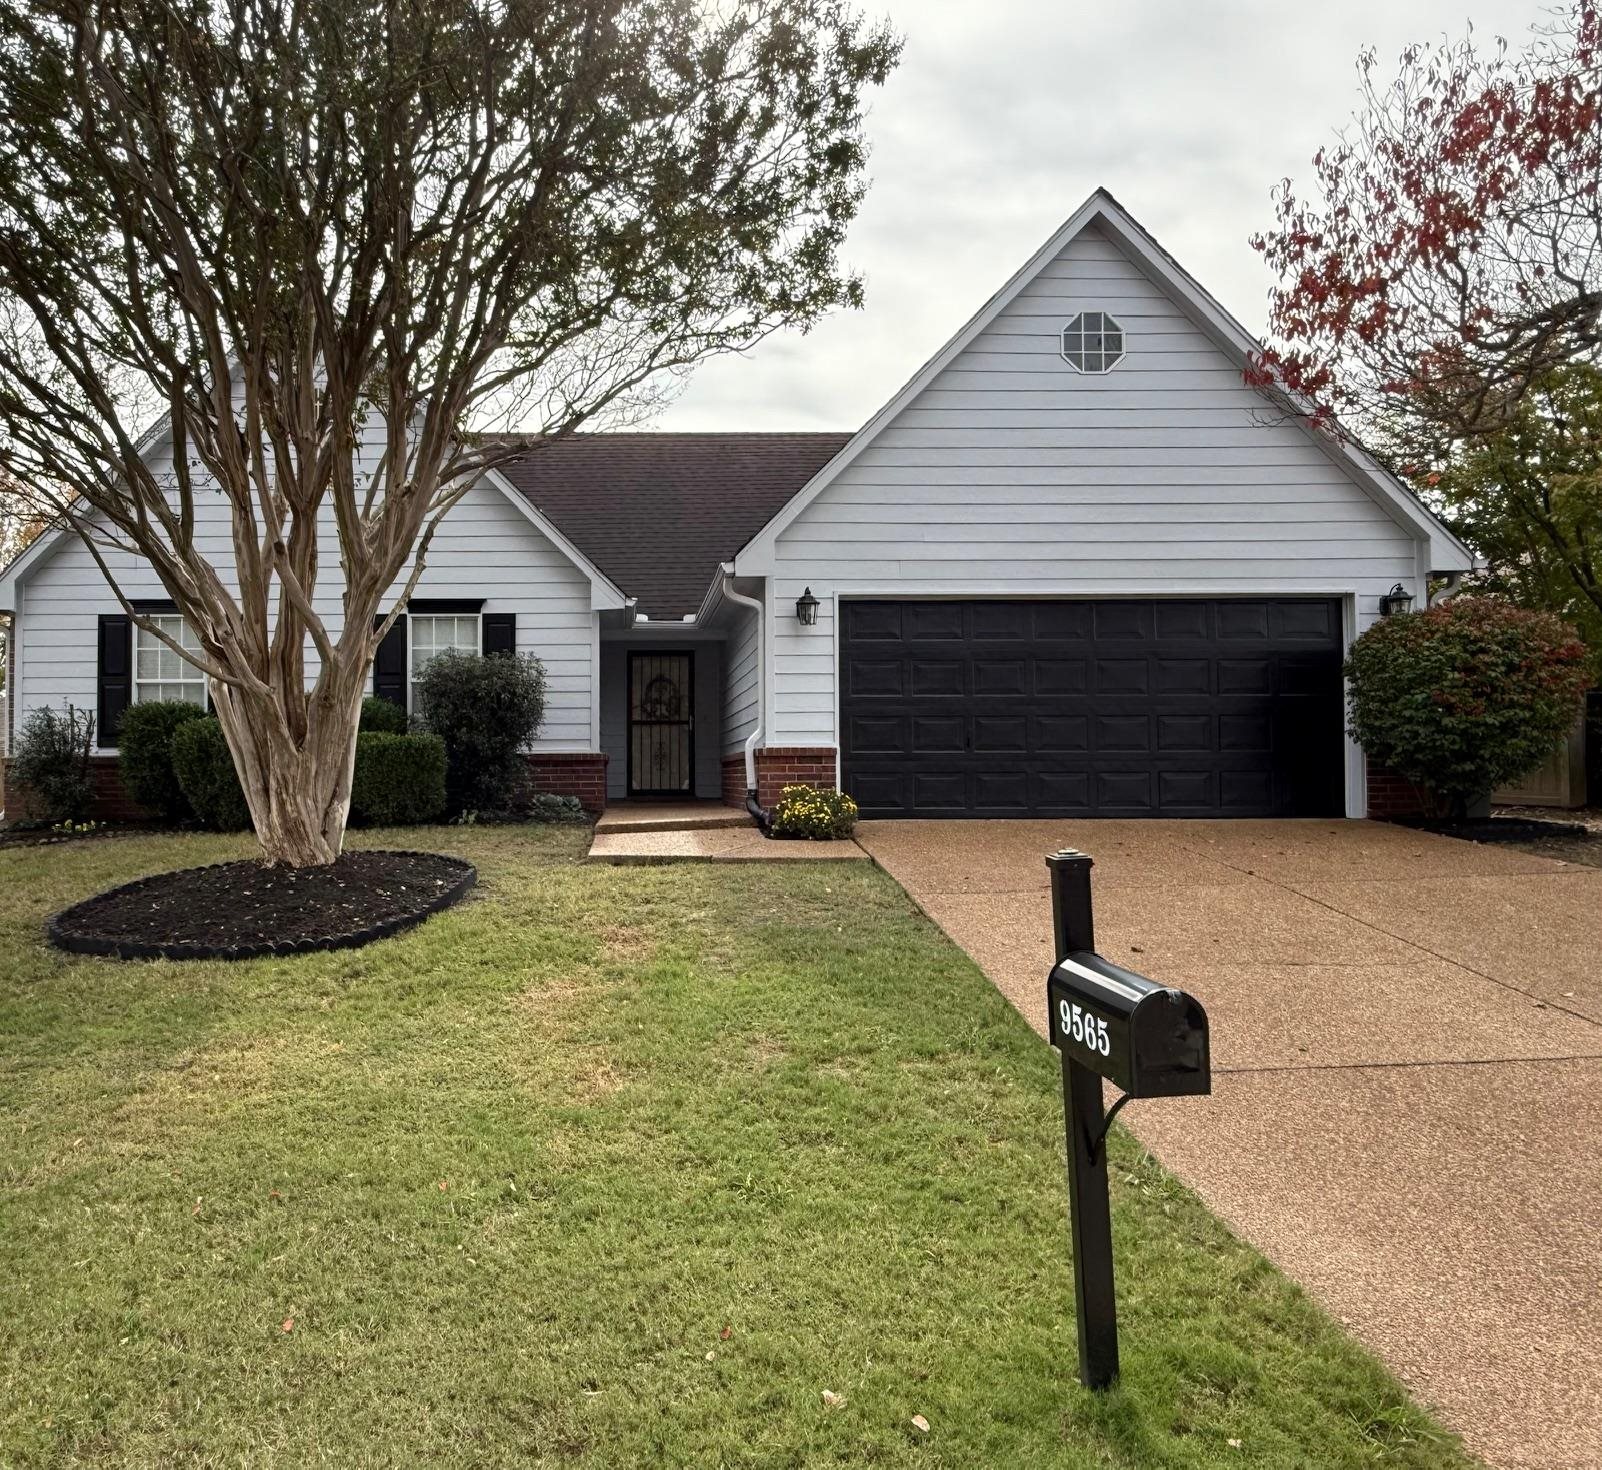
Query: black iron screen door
[{"x": 661, "y": 731}]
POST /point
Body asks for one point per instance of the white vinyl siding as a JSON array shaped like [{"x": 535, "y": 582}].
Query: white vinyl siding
[
  {"x": 1013, "y": 475},
  {"x": 741, "y": 694},
  {"x": 486, "y": 549}
]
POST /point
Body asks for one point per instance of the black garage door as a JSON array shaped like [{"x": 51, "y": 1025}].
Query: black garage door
[{"x": 1119, "y": 708}]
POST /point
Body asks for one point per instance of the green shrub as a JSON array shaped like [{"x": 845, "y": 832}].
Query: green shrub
[
  {"x": 205, "y": 770},
  {"x": 1465, "y": 696},
  {"x": 399, "y": 779},
  {"x": 806, "y": 811},
  {"x": 51, "y": 759},
  {"x": 486, "y": 709},
  {"x": 383, "y": 716},
  {"x": 145, "y": 757}
]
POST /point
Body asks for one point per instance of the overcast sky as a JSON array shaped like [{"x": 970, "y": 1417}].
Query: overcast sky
[{"x": 1005, "y": 114}]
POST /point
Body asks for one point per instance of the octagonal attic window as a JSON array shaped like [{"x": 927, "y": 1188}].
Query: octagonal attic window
[{"x": 1093, "y": 342}]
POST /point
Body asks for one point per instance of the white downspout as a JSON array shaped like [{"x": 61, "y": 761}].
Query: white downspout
[{"x": 727, "y": 569}]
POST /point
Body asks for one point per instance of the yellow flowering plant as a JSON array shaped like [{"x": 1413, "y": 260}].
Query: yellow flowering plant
[{"x": 805, "y": 811}]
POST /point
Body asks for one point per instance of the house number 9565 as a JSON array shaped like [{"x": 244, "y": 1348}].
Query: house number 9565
[{"x": 1088, "y": 1030}]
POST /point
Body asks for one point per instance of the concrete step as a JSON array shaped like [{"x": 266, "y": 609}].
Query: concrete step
[{"x": 696, "y": 816}]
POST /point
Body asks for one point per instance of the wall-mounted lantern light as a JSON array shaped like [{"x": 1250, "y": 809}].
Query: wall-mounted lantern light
[
  {"x": 1397, "y": 600},
  {"x": 806, "y": 609}
]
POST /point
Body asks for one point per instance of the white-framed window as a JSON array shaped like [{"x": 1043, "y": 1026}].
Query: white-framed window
[
  {"x": 430, "y": 634},
  {"x": 159, "y": 673},
  {"x": 1093, "y": 342}
]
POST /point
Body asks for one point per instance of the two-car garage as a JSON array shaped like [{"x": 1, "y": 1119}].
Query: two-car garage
[{"x": 1120, "y": 707}]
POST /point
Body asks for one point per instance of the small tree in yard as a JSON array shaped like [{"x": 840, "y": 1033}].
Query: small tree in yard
[
  {"x": 486, "y": 709},
  {"x": 1465, "y": 696},
  {"x": 327, "y": 240}
]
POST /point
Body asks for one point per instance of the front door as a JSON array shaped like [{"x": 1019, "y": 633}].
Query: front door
[{"x": 661, "y": 730}]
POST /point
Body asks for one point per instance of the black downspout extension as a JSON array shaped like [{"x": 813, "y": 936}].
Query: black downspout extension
[{"x": 763, "y": 819}]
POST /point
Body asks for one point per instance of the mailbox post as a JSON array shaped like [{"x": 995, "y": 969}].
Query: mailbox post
[{"x": 1148, "y": 1039}]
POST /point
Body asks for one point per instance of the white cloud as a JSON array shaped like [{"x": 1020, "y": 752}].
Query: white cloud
[{"x": 1005, "y": 114}]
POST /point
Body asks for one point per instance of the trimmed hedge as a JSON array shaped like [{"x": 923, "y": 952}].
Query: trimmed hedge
[
  {"x": 399, "y": 779},
  {"x": 204, "y": 769},
  {"x": 383, "y": 716},
  {"x": 145, "y": 755},
  {"x": 1465, "y": 696}
]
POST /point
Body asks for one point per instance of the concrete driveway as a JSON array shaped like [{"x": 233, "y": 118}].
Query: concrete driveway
[{"x": 1407, "y": 1074}]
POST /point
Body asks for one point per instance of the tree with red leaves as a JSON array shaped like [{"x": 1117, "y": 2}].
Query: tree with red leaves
[{"x": 1450, "y": 252}]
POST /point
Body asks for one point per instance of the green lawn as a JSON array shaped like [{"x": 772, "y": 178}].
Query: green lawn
[{"x": 606, "y": 1167}]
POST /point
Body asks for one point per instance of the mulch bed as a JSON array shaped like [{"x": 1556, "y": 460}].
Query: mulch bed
[{"x": 242, "y": 910}]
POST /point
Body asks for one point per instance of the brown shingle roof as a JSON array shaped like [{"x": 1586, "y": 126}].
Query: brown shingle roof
[{"x": 658, "y": 512}]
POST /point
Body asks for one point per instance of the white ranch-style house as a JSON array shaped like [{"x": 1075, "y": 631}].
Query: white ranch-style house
[{"x": 1075, "y": 567}]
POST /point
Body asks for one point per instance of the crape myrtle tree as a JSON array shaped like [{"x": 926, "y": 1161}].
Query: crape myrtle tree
[{"x": 293, "y": 228}]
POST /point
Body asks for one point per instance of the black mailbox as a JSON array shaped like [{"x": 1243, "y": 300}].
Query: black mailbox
[{"x": 1149, "y": 1040}]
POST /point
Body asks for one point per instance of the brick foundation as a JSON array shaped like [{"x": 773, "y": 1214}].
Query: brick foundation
[
  {"x": 1391, "y": 796},
  {"x": 110, "y": 803},
  {"x": 779, "y": 766},
  {"x": 580, "y": 773},
  {"x": 734, "y": 780}
]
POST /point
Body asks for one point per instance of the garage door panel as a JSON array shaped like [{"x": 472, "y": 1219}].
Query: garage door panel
[
  {"x": 934, "y": 791},
  {"x": 939, "y": 734},
  {"x": 1182, "y": 676},
  {"x": 994, "y": 735},
  {"x": 942, "y": 621},
  {"x": 1190, "y": 790},
  {"x": 874, "y": 678},
  {"x": 1000, "y": 622},
  {"x": 1243, "y": 622},
  {"x": 873, "y": 622},
  {"x": 1125, "y": 793},
  {"x": 1122, "y": 676},
  {"x": 1003, "y": 792},
  {"x": 1060, "y": 622},
  {"x": 1184, "y": 622},
  {"x": 1177, "y": 733},
  {"x": 1061, "y": 734},
  {"x": 877, "y": 735},
  {"x": 1126, "y": 622},
  {"x": 1056, "y": 677},
  {"x": 1001, "y": 678},
  {"x": 938, "y": 678},
  {"x": 1121, "y": 734},
  {"x": 1304, "y": 622},
  {"x": 1245, "y": 676},
  {"x": 1119, "y": 708}
]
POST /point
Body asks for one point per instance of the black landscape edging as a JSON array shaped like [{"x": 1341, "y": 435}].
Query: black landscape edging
[
  {"x": 137, "y": 949},
  {"x": 1497, "y": 829}
]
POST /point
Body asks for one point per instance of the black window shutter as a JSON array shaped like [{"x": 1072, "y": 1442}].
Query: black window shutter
[
  {"x": 114, "y": 676},
  {"x": 389, "y": 664},
  {"x": 499, "y": 633}
]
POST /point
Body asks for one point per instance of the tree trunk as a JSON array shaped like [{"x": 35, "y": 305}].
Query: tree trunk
[{"x": 297, "y": 787}]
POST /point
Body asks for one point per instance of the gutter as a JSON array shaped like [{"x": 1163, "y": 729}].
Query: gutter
[{"x": 763, "y": 819}]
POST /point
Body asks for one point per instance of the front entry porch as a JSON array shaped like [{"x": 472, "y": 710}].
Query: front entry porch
[{"x": 661, "y": 718}]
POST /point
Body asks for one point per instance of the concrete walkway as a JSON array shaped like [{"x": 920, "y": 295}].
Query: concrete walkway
[{"x": 1407, "y": 1055}]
